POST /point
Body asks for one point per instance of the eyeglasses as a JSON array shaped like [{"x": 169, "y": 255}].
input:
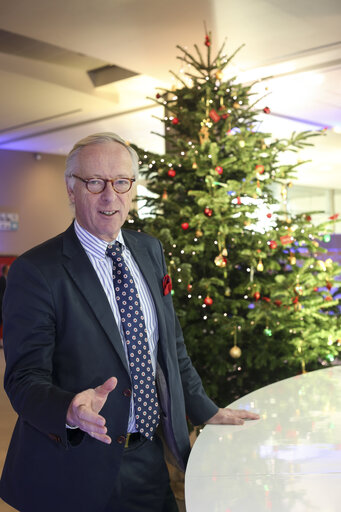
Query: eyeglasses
[{"x": 97, "y": 185}]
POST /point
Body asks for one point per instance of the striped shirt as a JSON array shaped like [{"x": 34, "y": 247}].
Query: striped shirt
[{"x": 95, "y": 249}]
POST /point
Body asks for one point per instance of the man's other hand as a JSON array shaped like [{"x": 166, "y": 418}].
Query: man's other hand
[{"x": 231, "y": 417}]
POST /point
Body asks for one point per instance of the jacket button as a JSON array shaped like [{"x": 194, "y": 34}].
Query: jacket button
[
  {"x": 127, "y": 393},
  {"x": 54, "y": 437},
  {"x": 121, "y": 439}
]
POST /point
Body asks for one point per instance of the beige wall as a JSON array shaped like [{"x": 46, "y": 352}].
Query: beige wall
[{"x": 35, "y": 190}]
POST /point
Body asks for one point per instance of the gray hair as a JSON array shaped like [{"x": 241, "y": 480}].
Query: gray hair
[{"x": 97, "y": 138}]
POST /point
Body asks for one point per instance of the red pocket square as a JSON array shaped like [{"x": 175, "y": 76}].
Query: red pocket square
[{"x": 167, "y": 284}]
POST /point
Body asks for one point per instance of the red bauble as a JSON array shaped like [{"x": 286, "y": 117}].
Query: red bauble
[
  {"x": 316, "y": 289},
  {"x": 175, "y": 120},
  {"x": 185, "y": 225},
  {"x": 328, "y": 298},
  {"x": 256, "y": 295},
  {"x": 171, "y": 173},
  {"x": 219, "y": 169},
  {"x": 214, "y": 115},
  {"x": 207, "y": 41},
  {"x": 269, "y": 215},
  {"x": 308, "y": 218},
  {"x": 208, "y": 212},
  {"x": 208, "y": 301},
  {"x": 260, "y": 169},
  {"x": 158, "y": 95},
  {"x": 267, "y": 299},
  {"x": 278, "y": 302},
  {"x": 266, "y": 110},
  {"x": 189, "y": 287},
  {"x": 273, "y": 244},
  {"x": 239, "y": 201},
  {"x": 329, "y": 285}
]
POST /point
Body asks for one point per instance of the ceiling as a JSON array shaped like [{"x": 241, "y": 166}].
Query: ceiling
[{"x": 48, "y": 100}]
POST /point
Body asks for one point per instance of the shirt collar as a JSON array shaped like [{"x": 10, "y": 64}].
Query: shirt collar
[{"x": 93, "y": 245}]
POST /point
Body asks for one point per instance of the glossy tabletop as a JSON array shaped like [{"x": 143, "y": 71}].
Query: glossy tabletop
[{"x": 288, "y": 461}]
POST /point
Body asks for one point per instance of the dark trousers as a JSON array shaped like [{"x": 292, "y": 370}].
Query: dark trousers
[{"x": 143, "y": 482}]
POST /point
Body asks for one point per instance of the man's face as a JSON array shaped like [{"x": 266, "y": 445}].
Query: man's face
[{"x": 102, "y": 214}]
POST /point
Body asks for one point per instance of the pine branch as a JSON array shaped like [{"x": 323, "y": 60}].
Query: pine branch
[
  {"x": 178, "y": 78},
  {"x": 200, "y": 56},
  {"x": 194, "y": 62}
]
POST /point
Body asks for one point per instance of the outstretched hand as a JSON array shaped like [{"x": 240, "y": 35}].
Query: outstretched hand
[
  {"x": 84, "y": 408},
  {"x": 231, "y": 417}
]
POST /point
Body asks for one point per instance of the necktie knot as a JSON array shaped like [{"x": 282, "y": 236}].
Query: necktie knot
[{"x": 114, "y": 250}]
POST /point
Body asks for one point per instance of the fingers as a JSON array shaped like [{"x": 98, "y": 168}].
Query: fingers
[
  {"x": 246, "y": 415},
  {"x": 231, "y": 417},
  {"x": 88, "y": 416},
  {"x": 104, "y": 389},
  {"x": 100, "y": 437}
]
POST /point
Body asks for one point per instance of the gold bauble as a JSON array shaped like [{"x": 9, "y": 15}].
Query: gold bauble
[
  {"x": 224, "y": 252},
  {"x": 236, "y": 105},
  {"x": 219, "y": 74},
  {"x": 292, "y": 260},
  {"x": 220, "y": 261},
  {"x": 198, "y": 233},
  {"x": 227, "y": 291},
  {"x": 260, "y": 266},
  {"x": 235, "y": 352},
  {"x": 194, "y": 165},
  {"x": 321, "y": 265}
]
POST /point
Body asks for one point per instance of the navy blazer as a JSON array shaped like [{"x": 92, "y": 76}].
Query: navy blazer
[{"x": 61, "y": 338}]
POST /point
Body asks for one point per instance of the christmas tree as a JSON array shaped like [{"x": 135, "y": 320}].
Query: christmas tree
[{"x": 254, "y": 293}]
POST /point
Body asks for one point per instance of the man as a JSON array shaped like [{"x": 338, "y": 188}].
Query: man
[
  {"x": 75, "y": 376},
  {"x": 3, "y": 279}
]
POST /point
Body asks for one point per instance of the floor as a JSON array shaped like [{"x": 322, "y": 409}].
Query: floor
[{"x": 7, "y": 420}]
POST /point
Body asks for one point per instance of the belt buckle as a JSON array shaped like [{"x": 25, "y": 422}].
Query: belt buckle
[{"x": 126, "y": 444}]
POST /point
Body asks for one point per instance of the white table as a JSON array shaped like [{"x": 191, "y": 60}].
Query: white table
[{"x": 288, "y": 461}]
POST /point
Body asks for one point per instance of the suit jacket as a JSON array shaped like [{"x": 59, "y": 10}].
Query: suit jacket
[{"x": 61, "y": 338}]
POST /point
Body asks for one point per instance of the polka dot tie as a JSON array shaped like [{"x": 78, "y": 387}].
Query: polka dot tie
[{"x": 135, "y": 332}]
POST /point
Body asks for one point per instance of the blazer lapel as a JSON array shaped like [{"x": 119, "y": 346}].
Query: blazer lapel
[{"x": 84, "y": 276}]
